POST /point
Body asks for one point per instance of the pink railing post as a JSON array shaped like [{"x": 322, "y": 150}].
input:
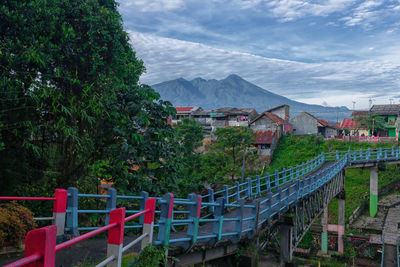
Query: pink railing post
[
  {"x": 42, "y": 241},
  {"x": 148, "y": 222},
  {"x": 116, "y": 237},
  {"x": 59, "y": 208}
]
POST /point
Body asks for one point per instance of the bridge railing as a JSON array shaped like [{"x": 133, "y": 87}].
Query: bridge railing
[
  {"x": 365, "y": 154},
  {"x": 59, "y": 208},
  {"x": 40, "y": 244},
  {"x": 248, "y": 189}
]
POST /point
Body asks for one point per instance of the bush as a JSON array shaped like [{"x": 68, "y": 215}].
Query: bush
[{"x": 15, "y": 222}]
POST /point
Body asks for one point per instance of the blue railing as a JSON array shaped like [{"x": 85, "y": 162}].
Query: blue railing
[{"x": 280, "y": 190}]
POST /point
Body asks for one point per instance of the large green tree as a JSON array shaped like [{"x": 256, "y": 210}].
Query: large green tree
[
  {"x": 233, "y": 141},
  {"x": 71, "y": 98}
]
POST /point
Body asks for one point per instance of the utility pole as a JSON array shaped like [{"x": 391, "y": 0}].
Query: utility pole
[{"x": 354, "y": 105}]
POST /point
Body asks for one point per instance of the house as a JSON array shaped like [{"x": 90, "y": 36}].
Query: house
[
  {"x": 282, "y": 111},
  {"x": 269, "y": 128},
  {"x": 203, "y": 117},
  {"x": 265, "y": 142},
  {"x": 353, "y": 128},
  {"x": 228, "y": 116},
  {"x": 184, "y": 112},
  {"x": 391, "y": 114},
  {"x": 305, "y": 123}
]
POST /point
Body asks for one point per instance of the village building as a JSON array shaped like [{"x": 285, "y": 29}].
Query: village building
[
  {"x": 269, "y": 128},
  {"x": 184, "y": 112},
  {"x": 282, "y": 111},
  {"x": 353, "y": 128},
  {"x": 305, "y": 123},
  {"x": 228, "y": 116},
  {"x": 390, "y": 114}
]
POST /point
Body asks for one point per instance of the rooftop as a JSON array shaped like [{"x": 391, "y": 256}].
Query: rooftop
[{"x": 392, "y": 109}]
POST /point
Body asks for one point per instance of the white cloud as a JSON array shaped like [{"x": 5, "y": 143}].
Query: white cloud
[
  {"x": 288, "y": 10},
  {"x": 153, "y": 5},
  {"x": 335, "y": 82}
]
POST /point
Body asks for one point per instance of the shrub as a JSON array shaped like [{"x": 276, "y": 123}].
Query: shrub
[{"x": 15, "y": 222}]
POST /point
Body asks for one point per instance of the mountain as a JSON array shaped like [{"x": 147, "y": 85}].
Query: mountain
[{"x": 234, "y": 91}]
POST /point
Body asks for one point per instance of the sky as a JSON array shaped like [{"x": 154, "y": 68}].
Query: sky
[{"x": 326, "y": 52}]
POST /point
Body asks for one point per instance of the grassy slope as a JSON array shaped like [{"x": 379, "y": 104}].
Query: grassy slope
[{"x": 295, "y": 150}]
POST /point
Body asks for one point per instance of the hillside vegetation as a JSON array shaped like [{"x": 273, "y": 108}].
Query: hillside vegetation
[{"x": 295, "y": 150}]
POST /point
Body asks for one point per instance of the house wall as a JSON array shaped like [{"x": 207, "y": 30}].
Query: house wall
[
  {"x": 330, "y": 132},
  {"x": 262, "y": 124},
  {"x": 304, "y": 124},
  {"x": 238, "y": 123},
  {"x": 282, "y": 112}
]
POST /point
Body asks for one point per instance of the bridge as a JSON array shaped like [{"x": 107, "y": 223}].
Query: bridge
[{"x": 201, "y": 228}]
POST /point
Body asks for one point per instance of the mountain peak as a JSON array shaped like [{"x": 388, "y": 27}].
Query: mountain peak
[{"x": 234, "y": 77}]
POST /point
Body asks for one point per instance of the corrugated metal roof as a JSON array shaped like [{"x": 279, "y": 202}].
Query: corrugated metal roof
[
  {"x": 273, "y": 117},
  {"x": 264, "y": 137},
  {"x": 393, "y": 109}
]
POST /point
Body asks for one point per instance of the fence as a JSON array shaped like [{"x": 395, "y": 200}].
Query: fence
[
  {"x": 280, "y": 190},
  {"x": 41, "y": 248},
  {"x": 59, "y": 208}
]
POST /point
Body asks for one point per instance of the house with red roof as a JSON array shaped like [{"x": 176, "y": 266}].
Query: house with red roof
[
  {"x": 353, "y": 128},
  {"x": 184, "y": 112},
  {"x": 269, "y": 128},
  {"x": 305, "y": 123}
]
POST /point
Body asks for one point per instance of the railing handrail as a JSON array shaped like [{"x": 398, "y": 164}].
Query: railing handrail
[{"x": 33, "y": 239}]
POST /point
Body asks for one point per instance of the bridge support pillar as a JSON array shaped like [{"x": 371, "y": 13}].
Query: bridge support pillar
[
  {"x": 324, "y": 234},
  {"x": 341, "y": 221},
  {"x": 286, "y": 248},
  {"x": 373, "y": 195}
]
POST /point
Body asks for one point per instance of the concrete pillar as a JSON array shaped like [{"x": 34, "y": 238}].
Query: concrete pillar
[
  {"x": 286, "y": 249},
  {"x": 341, "y": 220},
  {"x": 373, "y": 195},
  {"x": 324, "y": 234}
]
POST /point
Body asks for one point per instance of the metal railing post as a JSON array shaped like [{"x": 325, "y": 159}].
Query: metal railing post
[
  {"x": 194, "y": 215},
  {"x": 239, "y": 222},
  {"x": 142, "y": 204},
  {"x": 258, "y": 186},
  {"x": 115, "y": 241},
  {"x": 59, "y": 208},
  {"x": 219, "y": 216},
  {"x": 211, "y": 200},
  {"x": 111, "y": 202},
  {"x": 148, "y": 222},
  {"x": 166, "y": 219},
  {"x": 42, "y": 241},
  {"x": 226, "y": 193},
  {"x": 237, "y": 191},
  {"x": 249, "y": 188},
  {"x": 72, "y": 214}
]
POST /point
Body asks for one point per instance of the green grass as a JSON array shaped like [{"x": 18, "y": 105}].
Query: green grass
[{"x": 293, "y": 150}]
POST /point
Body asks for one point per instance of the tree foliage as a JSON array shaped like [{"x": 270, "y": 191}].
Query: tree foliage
[
  {"x": 232, "y": 141},
  {"x": 71, "y": 98},
  {"x": 371, "y": 122}
]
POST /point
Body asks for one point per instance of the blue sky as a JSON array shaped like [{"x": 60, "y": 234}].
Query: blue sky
[{"x": 329, "y": 52}]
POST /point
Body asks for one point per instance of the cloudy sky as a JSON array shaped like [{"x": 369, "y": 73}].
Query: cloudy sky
[{"x": 329, "y": 52}]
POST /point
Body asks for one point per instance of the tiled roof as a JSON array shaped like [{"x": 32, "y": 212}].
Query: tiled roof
[
  {"x": 184, "y": 109},
  {"x": 324, "y": 122},
  {"x": 274, "y": 108},
  {"x": 359, "y": 113},
  {"x": 273, "y": 117},
  {"x": 337, "y": 125},
  {"x": 320, "y": 121},
  {"x": 393, "y": 109},
  {"x": 264, "y": 137},
  {"x": 348, "y": 124}
]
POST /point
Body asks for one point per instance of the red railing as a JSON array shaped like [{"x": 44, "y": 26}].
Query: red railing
[
  {"x": 40, "y": 244},
  {"x": 59, "y": 207}
]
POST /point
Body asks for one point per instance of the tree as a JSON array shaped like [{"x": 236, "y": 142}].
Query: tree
[
  {"x": 71, "y": 97},
  {"x": 190, "y": 135},
  {"x": 233, "y": 141},
  {"x": 371, "y": 122}
]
